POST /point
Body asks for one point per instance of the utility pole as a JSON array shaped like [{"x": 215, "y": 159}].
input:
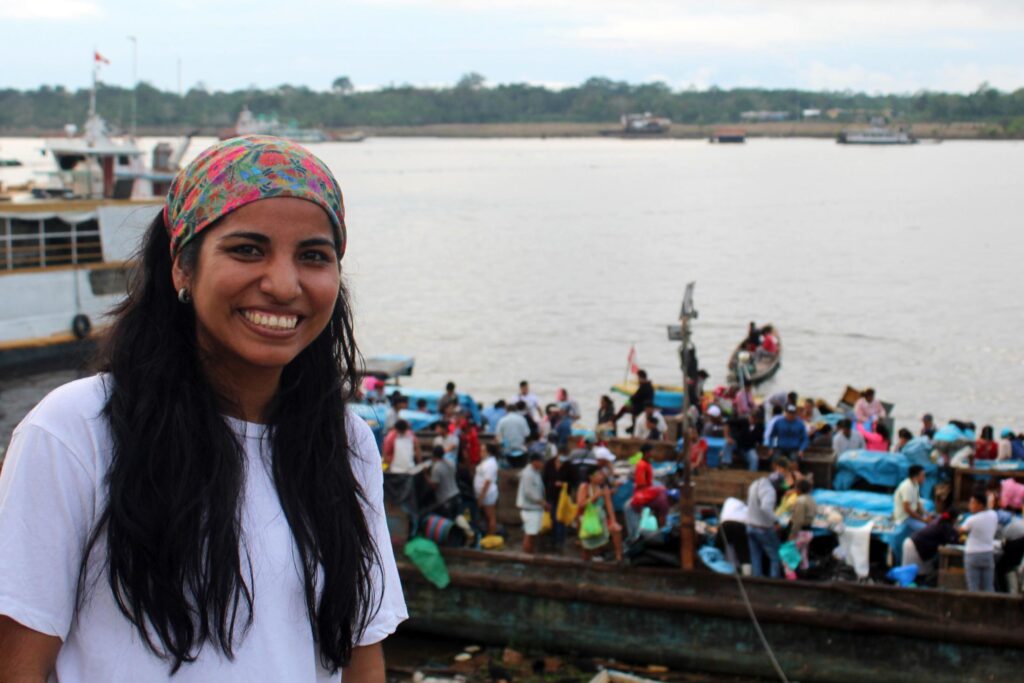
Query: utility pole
[
  {"x": 135, "y": 79},
  {"x": 681, "y": 333}
]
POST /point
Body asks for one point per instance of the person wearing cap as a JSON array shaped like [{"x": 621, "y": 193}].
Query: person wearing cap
[
  {"x": 928, "y": 426},
  {"x": 531, "y": 501},
  {"x": 214, "y": 507},
  {"x": 713, "y": 425},
  {"x": 762, "y": 524},
  {"x": 789, "y": 435}
]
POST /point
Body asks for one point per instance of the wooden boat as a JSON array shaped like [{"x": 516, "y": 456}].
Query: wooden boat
[
  {"x": 667, "y": 398},
  {"x": 824, "y": 632},
  {"x": 763, "y": 369}
]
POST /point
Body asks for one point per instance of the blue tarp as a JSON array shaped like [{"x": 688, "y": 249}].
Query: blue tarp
[
  {"x": 860, "y": 507},
  {"x": 376, "y": 413},
  {"x": 881, "y": 469},
  {"x": 953, "y": 433},
  {"x": 999, "y": 465}
]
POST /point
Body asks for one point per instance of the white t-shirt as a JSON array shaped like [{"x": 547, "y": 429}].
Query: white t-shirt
[
  {"x": 906, "y": 492},
  {"x": 51, "y": 493},
  {"x": 734, "y": 510},
  {"x": 404, "y": 458},
  {"x": 981, "y": 532},
  {"x": 487, "y": 470}
]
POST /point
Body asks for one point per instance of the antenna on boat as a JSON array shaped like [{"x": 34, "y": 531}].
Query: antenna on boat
[{"x": 681, "y": 333}]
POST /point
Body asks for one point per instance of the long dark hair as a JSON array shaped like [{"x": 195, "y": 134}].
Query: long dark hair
[{"x": 172, "y": 521}]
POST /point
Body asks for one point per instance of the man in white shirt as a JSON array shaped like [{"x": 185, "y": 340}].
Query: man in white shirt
[
  {"x": 485, "y": 485},
  {"x": 530, "y": 399},
  {"x": 642, "y": 431},
  {"x": 906, "y": 502},
  {"x": 846, "y": 438},
  {"x": 979, "y": 551}
]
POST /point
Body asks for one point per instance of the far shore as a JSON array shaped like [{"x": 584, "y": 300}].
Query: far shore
[{"x": 780, "y": 129}]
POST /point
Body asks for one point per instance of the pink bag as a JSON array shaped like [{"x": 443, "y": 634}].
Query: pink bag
[{"x": 1011, "y": 494}]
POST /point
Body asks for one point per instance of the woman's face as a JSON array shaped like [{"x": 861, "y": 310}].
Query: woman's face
[{"x": 265, "y": 285}]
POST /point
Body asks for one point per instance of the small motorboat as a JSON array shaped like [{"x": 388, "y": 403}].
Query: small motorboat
[{"x": 754, "y": 366}]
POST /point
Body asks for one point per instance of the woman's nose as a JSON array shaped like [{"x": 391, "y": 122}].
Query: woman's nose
[{"x": 281, "y": 280}]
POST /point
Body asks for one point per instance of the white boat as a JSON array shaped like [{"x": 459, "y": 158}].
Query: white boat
[
  {"x": 876, "y": 134},
  {"x": 252, "y": 124},
  {"x": 63, "y": 265}
]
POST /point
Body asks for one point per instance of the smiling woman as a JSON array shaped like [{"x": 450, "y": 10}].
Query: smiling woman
[{"x": 212, "y": 475}]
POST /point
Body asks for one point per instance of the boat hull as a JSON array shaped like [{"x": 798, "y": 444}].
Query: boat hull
[{"x": 696, "y": 620}]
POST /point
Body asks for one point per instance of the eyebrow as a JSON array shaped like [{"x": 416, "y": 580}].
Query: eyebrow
[{"x": 263, "y": 239}]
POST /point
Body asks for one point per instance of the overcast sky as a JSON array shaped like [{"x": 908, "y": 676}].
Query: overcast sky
[{"x": 869, "y": 45}]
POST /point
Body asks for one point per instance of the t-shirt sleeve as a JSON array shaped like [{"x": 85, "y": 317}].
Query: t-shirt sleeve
[
  {"x": 47, "y": 504},
  {"x": 387, "y": 587}
]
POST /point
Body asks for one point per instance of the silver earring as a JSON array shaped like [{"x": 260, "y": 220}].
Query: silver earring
[{"x": 183, "y": 296}]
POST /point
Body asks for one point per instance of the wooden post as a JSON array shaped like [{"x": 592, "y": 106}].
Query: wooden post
[{"x": 687, "y": 518}]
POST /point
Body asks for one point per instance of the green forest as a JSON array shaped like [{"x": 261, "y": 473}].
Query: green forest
[{"x": 472, "y": 100}]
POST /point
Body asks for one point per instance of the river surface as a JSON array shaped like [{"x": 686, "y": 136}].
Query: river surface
[{"x": 493, "y": 261}]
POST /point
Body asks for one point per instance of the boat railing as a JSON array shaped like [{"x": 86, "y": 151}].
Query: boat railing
[{"x": 32, "y": 243}]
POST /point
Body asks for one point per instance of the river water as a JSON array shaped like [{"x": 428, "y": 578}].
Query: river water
[{"x": 493, "y": 261}]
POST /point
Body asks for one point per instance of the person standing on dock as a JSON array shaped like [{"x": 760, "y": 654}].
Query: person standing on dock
[
  {"x": 531, "y": 501},
  {"x": 762, "y": 524},
  {"x": 485, "y": 486},
  {"x": 209, "y": 508},
  {"x": 979, "y": 551}
]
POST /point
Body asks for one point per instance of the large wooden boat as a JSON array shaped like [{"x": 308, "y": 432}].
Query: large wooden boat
[{"x": 820, "y": 632}]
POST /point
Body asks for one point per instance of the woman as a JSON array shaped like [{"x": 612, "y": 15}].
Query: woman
[
  {"x": 208, "y": 507},
  {"x": 596, "y": 494},
  {"x": 986, "y": 448},
  {"x": 606, "y": 427}
]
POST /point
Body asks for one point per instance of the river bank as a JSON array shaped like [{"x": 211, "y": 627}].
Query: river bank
[{"x": 965, "y": 130}]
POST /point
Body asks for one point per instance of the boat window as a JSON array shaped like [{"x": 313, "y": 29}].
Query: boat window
[
  {"x": 28, "y": 243},
  {"x": 105, "y": 281}
]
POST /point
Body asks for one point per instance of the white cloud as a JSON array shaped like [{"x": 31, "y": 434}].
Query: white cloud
[
  {"x": 967, "y": 77},
  {"x": 49, "y": 9},
  {"x": 818, "y": 76}
]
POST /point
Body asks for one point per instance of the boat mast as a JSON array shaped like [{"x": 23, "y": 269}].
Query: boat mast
[
  {"x": 95, "y": 76},
  {"x": 681, "y": 333}
]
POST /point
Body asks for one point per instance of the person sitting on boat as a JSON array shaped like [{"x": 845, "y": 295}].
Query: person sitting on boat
[
  {"x": 713, "y": 423},
  {"x": 753, "y": 339},
  {"x": 822, "y": 437},
  {"x": 651, "y": 417},
  {"x": 493, "y": 414},
  {"x": 809, "y": 412},
  {"x": 646, "y": 493},
  {"x": 643, "y": 395},
  {"x": 1009, "y": 445},
  {"x": 789, "y": 435},
  {"x": 847, "y": 438},
  {"x": 906, "y": 502},
  {"x": 569, "y": 405},
  {"x": 928, "y": 426},
  {"x": 985, "y": 448},
  {"x": 485, "y": 486},
  {"x": 876, "y": 436},
  {"x": 594, "y": 501},
  {"x": 513, "y": 430},
  {"x": 606, "y": 427},
  {"x": 531, "y": 501},
  {"x": 903, "y": 437},
  {"x": 769, "y": 347},
  {"x": 868, "y": 409},
  {"x": 762, "y": 524},
  {"x": 449, "y": 399},
  {"x": 922, "y": 546}
]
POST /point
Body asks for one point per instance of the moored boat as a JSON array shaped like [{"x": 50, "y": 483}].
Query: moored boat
[
  {"x": 63, "y": 266},
  {"x": 877, "y": 133},
  {"x": 755, "y": 366},
  {"x": 728, "y": 135},
  {"x": 824, "y": 632}
]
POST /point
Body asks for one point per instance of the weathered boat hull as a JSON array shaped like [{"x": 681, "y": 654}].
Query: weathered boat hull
[{"x": 832, "y": 633}]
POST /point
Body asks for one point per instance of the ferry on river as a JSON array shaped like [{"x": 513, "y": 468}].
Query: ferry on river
[{"x": 876, "y": 134}]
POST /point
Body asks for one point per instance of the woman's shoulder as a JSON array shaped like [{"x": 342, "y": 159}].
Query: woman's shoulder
[{"x": 72, "y": 406}]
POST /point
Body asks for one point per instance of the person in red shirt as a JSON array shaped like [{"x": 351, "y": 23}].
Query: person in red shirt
[
  {"x": 769, "y": 342},
  {"x": 645, "y": 492},
  {"x": 986, "y": 448}
]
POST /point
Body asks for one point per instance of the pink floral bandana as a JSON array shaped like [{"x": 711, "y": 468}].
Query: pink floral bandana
[{"x": 243, "y": 170}]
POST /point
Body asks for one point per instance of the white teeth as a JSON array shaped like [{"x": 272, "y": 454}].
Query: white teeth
[{"x": 277, "y": 322}]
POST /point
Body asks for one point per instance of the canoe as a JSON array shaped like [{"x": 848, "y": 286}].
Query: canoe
[
  {"x": 763, "y": 368},
  {"x": 820, "y": 632}
]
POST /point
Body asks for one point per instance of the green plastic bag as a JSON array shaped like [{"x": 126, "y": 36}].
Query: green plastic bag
[
  {"x": 789, "y": 554},
  {"x": 648, "y": 522},
  {"x": 425, "y": 554},
  {"x": 590, "y": 524}
]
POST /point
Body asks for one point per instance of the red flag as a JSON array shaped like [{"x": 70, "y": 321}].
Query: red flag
[
  {"x": 100, "y": 58},
  {"x": 631, "y": 360}
]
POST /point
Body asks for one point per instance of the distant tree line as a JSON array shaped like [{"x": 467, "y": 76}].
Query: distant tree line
[{"x": 472, "y": 101}]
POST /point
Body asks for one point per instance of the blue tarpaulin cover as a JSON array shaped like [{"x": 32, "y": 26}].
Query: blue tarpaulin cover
[{"x": 881, "y": 469}]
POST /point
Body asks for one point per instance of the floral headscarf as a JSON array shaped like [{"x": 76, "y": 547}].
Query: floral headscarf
[{"x": 243, "y": 170}]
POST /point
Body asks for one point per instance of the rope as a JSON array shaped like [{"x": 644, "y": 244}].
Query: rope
[{"x": 753, "y": 617}]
